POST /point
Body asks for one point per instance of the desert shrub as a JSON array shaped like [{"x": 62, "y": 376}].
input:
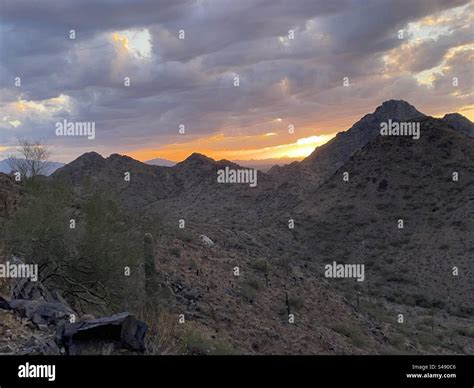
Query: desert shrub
[
  {"x": 284, "y": 263},
  {"x": 428, "y": 340},
  {"x": 253, "y": 282},
  {"x": 376, "y": 310},
  {"x": 296, "y": 302},
  {"x": 465, "y": 331},
  {"x": 196, "y": 343},
  {"x": 38, "y": 229},
  {"x": 87, "y": 263},
  {"x": 175, "y": 251},
  {"x": 428, "y": 321},
  {"x": 396, "y": 340},
  {"x": 249, "y": 288},
  {"x": 352, "y": 332},
  {"x": 462, "y": 311},
  {"x": 192, "y": 265},
  {"x": 186, "y": 235},
  {"x": 259, "y": 265},
  {"x": 382, "y": 206},
  {"x": 162, "y": 334}
]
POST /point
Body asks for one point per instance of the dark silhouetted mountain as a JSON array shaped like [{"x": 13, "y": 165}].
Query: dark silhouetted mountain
[
  {"x": 394, "y": 178},
  {"x": 197, "y": 160},
  {"x": 265, "y": 164},
  {"x": 183, "y": 186},
  {"x": 260, "y": 164},
  {"x": 460, "y": 123},
  {"x": 326, "y": 159}
]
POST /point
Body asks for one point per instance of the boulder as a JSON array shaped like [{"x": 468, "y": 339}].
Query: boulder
[
  {"x": 41, "y": 312},
  {"x": 206, "y": 241},
  {"x": 38, "y": 345},
  {"x": 103, "y": 335},
  {"x": 24, "y": 288}
]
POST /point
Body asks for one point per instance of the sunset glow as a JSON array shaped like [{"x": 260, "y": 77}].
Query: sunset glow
[{"x": 178, "y": 152}]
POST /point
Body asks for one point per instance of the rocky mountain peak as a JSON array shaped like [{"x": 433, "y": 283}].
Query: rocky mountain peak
[
  {"x": 460, "y": 123},
  {"x": 118, "y": 158},
  {"x": 397, "y": 109},
  {"x": 86, "y": 163},
  {"x": 89, "y": 158},
  {"x": 197, "y": 159}
]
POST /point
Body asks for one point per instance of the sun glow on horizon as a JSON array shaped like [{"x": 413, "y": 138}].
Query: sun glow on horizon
[{"x": 299, "y": 149}]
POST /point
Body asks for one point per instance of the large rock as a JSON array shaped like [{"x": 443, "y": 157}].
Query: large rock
[
  {"x": 19, "y": 337},
  {"x": 206, "y": 241},
  {"x": 103, "y": 335},
  {"x": 41, "y": 312},
  {"x": 25, "y": 288}
]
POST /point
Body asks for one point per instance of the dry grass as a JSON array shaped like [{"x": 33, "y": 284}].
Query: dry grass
[{"x": 163, "y": 331}]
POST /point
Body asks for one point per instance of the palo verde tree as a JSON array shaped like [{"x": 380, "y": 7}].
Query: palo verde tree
[{"x": 33, "y": 159}]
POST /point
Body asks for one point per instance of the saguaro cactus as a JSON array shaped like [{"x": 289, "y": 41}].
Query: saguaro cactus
[
  {"x": 149, "y": 256},
  {"x": 287, "y": 301}
]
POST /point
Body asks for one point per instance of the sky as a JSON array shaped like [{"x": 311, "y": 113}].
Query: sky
[{"x": 247, "y": 79}]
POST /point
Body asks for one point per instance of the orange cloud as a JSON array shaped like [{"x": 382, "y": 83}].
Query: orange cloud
[{"x": 222, "y": 147}]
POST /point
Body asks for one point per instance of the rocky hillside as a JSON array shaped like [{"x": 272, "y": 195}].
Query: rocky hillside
[{"x": 427, "y": 183}]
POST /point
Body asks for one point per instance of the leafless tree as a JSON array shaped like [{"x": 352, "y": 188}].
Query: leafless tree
[{"x": 33, "y": 159}]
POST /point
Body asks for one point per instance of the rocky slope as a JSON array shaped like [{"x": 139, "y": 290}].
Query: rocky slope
[{"x": 429, "y": 184}]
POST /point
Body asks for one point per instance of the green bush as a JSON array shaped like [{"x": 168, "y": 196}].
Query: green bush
[
  {"x": 259, "y": 265},
  {"x": 296, "y": 302},
  {"x": 352, "y": 332},
  {"x": 249, "y": 288},
  {"x": 175, "y": 251},
  {"x": 196, "y": 343},
  {"x": 87, "y": 263}
]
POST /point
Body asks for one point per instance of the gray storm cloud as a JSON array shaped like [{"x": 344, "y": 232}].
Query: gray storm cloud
[{"x": 190, "y": 81}]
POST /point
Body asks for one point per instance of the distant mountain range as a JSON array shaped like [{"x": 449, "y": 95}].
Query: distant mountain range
[
  {"x": 327, "y": 157},
  {"x": 194, "y": 175},
  {"x": 160, "y": 162},
  {"x": 265, "y": 164},
  {"x": 50, "y": 167},
  {"x": 259, "y": 164}
]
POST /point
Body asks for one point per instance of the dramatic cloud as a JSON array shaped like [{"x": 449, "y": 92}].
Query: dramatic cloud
[{"x": 290, "y": 59}]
